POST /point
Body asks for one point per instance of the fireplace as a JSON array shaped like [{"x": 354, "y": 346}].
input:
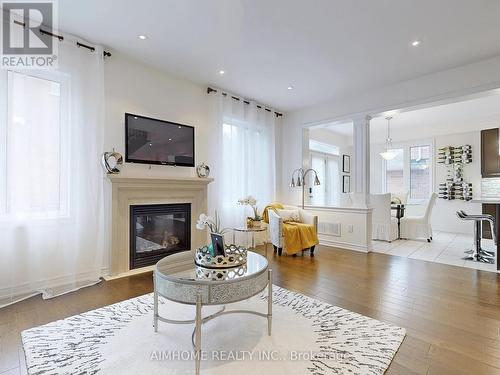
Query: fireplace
[{"x": 158, "y": 230}]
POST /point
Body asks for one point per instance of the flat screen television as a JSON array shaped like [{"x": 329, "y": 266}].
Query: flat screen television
[{"x": 153, "y": 141}]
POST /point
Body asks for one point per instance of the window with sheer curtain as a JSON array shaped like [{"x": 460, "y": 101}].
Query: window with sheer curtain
[
  {"x": 327, "y": 167},
  {"x": 35, "y": 154},
  {"x": 51, "y": 182},
  {"x": 247, "y": 165},
  {"x": 243, "y": 156}
]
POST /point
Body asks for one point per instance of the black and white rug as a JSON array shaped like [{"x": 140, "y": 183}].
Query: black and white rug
[{"x": 309, "y": 337}]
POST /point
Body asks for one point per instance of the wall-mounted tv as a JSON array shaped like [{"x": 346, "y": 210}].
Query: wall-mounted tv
[{"x": 153, "y": 141}]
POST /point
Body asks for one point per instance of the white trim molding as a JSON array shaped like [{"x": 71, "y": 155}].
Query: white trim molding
[{"x": 356, "y": 227}]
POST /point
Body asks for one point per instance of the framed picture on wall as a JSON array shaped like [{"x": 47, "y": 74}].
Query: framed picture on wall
[
  {"x": 346, "y": 164},
  {"x": 346, "y": 184}
]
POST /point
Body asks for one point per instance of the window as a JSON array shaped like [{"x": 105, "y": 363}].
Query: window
[
  {"x": 34, "y": 168},
  {"x": 328, "y": 192},
  {"x": 394, "y": 181},
  {"x": 420, "y": 181},
  {"x": 247, "y": 166},
  {"x": 410, "y": 172}
]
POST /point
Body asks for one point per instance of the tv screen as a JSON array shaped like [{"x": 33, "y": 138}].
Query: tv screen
[{"x": 152, "y": 141}]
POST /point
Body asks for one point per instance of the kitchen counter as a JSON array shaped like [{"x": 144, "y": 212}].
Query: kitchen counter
[{"x": 486, "y": 200}]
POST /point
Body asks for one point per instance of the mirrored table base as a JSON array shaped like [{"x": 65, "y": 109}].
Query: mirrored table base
[{"x": 199, "y": 320}]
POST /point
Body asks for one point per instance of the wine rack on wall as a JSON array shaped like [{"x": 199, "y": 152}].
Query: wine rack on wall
[{"x": 454, "y": 158}]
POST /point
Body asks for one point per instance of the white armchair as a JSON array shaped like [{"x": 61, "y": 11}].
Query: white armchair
[
  {"x": 384, "y": 226},
  {"x": 415, "y": 227},
  {"x": 276, "y": 227}
]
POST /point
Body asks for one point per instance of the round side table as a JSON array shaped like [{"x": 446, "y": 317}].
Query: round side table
[{"x": 251, "y": 230}]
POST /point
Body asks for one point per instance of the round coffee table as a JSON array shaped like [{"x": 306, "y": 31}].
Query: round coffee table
[{"x": 194, "y": 285}]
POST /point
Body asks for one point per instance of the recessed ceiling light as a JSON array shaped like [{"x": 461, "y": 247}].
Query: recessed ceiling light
[
  {"x": 222, "y": 72},
  {"x": 290, "y": 88},
  {"x": 170, "y": 139},
  {"x": 142, "y": 37},
  {"x": 416, "y": 43}
]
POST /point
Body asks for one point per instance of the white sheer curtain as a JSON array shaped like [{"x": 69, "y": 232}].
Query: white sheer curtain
[
  {"x": 334, "y": 190},
  {"x": 244, "y": 157},
  {"x": 51, "y": 209}
]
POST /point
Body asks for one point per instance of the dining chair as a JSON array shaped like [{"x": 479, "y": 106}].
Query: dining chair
[
  {"x": 418, "y": 227},
  {"x": 384, "y": 226}
]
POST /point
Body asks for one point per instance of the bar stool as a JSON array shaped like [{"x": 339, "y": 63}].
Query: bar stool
[{"x": 477, "y": 253}]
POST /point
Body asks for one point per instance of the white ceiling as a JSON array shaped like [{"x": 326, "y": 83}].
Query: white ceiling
[
  {"x": 460, "y": 117},
  {"x": 344, "y": 129},
  {"x": 324, "y": 48}
]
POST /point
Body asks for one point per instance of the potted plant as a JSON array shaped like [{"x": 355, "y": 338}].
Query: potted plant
[
  {"x": 216, "y": 232},
  {"x": 254, "y": 221}
]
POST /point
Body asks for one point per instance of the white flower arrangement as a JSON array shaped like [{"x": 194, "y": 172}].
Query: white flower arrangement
[
  {"x": 252, "y": 202},
  {"x": 205, "y": 221}
]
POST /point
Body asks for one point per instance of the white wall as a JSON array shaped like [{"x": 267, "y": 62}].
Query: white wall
[
  {"x": 136, "y": 88},
  {"x": 133, "y": 87},
  {"x": 455, "y": 82},
  {"x": 444, "y": 214},
  {"x": 355, "y": 231}
]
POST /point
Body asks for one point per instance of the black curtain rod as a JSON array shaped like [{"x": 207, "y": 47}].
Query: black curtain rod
[
  {"x": 209, "y": 90},
  {"x": 61, "y": 38},
  {"x": 90, "y": 48}
]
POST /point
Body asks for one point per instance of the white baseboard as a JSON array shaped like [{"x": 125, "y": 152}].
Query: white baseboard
[
  {"x": 344, "y": 245},
  {"x": 133, "y": 272}
]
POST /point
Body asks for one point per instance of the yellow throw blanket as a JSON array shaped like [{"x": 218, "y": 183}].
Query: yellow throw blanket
[
  {"x": 272, "y": 206},
  {"x": 298, "y": 236}
]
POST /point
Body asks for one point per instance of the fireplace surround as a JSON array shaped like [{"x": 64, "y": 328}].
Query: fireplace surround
[{"x": 127, "y": 191}]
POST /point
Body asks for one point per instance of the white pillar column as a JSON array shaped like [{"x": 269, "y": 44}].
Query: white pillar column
[{"x": 361, "y": 126}]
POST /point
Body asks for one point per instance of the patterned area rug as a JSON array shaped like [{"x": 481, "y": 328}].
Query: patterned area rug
[{"x": 309, "y": 337}]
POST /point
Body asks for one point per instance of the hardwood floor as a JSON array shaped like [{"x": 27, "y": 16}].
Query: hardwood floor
[{"x": 451, "y": 314}]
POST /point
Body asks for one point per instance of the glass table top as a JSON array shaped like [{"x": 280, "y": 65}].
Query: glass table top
[
  {"x": 255, "y": 265},
  {"x": 250, "y": 229}
]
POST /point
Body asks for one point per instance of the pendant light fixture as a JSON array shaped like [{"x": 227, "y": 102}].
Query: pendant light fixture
[{"x": 389, "y": 152}]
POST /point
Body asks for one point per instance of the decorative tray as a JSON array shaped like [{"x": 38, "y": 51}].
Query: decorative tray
[{"x": 235, "y": 256}]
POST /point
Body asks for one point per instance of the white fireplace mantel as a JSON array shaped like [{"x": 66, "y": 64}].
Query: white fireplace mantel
[{"x": 128, "y": 190}]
